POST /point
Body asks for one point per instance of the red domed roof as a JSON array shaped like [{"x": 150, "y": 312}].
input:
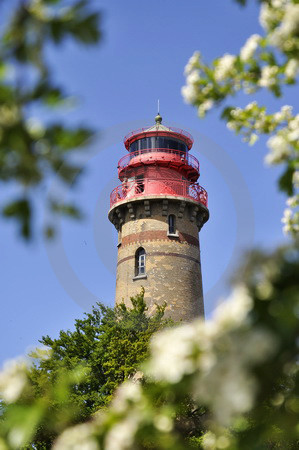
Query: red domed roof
[{"x": 158, "y": 130}]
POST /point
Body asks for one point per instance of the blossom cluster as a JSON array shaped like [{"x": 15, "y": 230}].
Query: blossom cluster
[
  {"x": 290, "y": 217},
  {"x": 256, "y": 65},
  {"x": 13, "y": 380},
  {"x": 280, "y": 18},
  {"x": 254, "y": 68},
  {"x": 283, "y": 145},
  {"x": 214, "y": 363},
  {"x": 210, "y": 360},
  {"x": 195, "y": 349}
]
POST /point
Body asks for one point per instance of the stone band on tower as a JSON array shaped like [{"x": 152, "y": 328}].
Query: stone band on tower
[{"x": 158, "y": 211}]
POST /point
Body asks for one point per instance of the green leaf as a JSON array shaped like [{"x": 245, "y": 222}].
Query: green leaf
[
  {"x": 226, "y": 113},
  {"x": 49, "y": 232},
  {"x": 20, "y": 210},
  {"x": 66, "y": 139},
  {"x": 285, "y": 182},
  {"x": 57, "y": 30},
  {"x": 86, "y": 30},
  {"x": 77, "y": 23},
  {"x": 66, "y": 209}
]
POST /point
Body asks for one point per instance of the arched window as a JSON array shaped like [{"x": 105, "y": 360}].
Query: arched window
[
  {"x": 140, "y": 262},
  {"x": 171, "y": 224}
]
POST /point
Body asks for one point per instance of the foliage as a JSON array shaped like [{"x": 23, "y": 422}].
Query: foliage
[
  {"x": 76, "y": 374},
  {"x": 264, "y": 62},
  {"x": 230, "y": 382},
  {"x": 242, "y": 365},
  {"x": 32, "y": 149}
]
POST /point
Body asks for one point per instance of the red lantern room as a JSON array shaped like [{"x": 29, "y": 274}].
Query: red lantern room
[{"x": 158, "y": 163}]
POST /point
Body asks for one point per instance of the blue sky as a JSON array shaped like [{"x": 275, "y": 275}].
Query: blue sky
[{"x": 141, "y": 58}]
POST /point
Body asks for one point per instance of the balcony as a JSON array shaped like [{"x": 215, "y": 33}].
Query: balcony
[
  {"x": 140, "y": 188},
  {"x": 187, "y": 164}
]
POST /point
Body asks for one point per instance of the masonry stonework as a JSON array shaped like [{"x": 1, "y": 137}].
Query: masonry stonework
[
  {"x": 158, "y": 211},
  {"x": 173, "y": 269}
]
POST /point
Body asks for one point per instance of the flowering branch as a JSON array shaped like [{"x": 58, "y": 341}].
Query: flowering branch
[{"x": 263, "y": 62}]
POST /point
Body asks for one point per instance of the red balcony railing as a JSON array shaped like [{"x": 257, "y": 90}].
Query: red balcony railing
[
  {"x": 139, "y": 188},
  {"x": 158, "y": 154}
]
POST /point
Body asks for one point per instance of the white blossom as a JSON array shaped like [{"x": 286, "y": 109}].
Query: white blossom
[
  {"x": 268, "y": 76},
  {"x": 284, "y": 114},
  {"x": 268, "y": 16},
  {"x": 35, "y": 127},
  {"x": 193, "y": 77},
  {"x": 13, "y": 379},
  {"x": 288, "y": 26},
  {"x": 209, "y": 441},
  {"x": 163, "y": 423},
  {"x": 121, "y": 435},
  {"x": 293, "y": 202},
  {"x": 293, "y": 129},
  {"x": 286, "y": 220},
  {"x": 293, "y": 136},
  {"x": 234, "y": 310},
  {"x": 231, "y": 126},
  {"x": 171, "y": 353},
  {"x": 296, "y": 178},
  {"x": 292, "y": 68},
  {"x": 250, "y": 47},
  {"x": 79, "y": 437},
  {"x": 278, "y": 3},
  {"x": 294, "y": 123},
  {"x": 127, "y": 393},
  {"x": 251, "y": 106},
  {"x": 260, "y": 121},
  {"x": 236, "y": 392},
  {"x": 236, "y": 113},
  {"x": 204, "y": 107},
  {"x": 16, "y": 437},
  {"x": 173, "y": 350},
  {"x": 193, "y": 62},
  {"x": 207, "y": 89},
  {"x": 290, "y": 217},
  {"x": 224, "y": 67},
  {"x": 189, "y": 93},
  {"x": 253, "y": 138},
  {"x": 279, "y": 150}
]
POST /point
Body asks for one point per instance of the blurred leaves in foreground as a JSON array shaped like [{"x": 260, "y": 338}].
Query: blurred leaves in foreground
[
  {"x": 75, "y": 375},
  {"x": 32, "y": 149},
  {"x": 230, "y": 382}
]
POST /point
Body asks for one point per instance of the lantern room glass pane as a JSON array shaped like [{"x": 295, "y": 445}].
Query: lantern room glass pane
[{"x": 158, "y": 142}]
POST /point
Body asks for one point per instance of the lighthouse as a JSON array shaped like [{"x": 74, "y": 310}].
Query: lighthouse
[{"x": 158, "y": 211}]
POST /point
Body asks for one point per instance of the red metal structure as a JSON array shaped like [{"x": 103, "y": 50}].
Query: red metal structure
[{"x": 158, "y": 163}]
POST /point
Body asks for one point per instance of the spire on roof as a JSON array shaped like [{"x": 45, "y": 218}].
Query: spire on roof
[{"x": 158, "y": 118}]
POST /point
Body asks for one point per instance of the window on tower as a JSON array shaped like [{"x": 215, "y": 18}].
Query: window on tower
[
  {"x": 158, "y": 142},
  {"x": 140, "y": 262},
  {"x": 171, "y": 224}
]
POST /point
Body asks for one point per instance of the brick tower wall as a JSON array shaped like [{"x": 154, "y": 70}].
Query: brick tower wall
[{"x": 173, "y": 270}]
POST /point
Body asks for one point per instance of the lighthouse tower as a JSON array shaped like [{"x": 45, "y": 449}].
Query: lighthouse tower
[{"x": 158, "y": 210}]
